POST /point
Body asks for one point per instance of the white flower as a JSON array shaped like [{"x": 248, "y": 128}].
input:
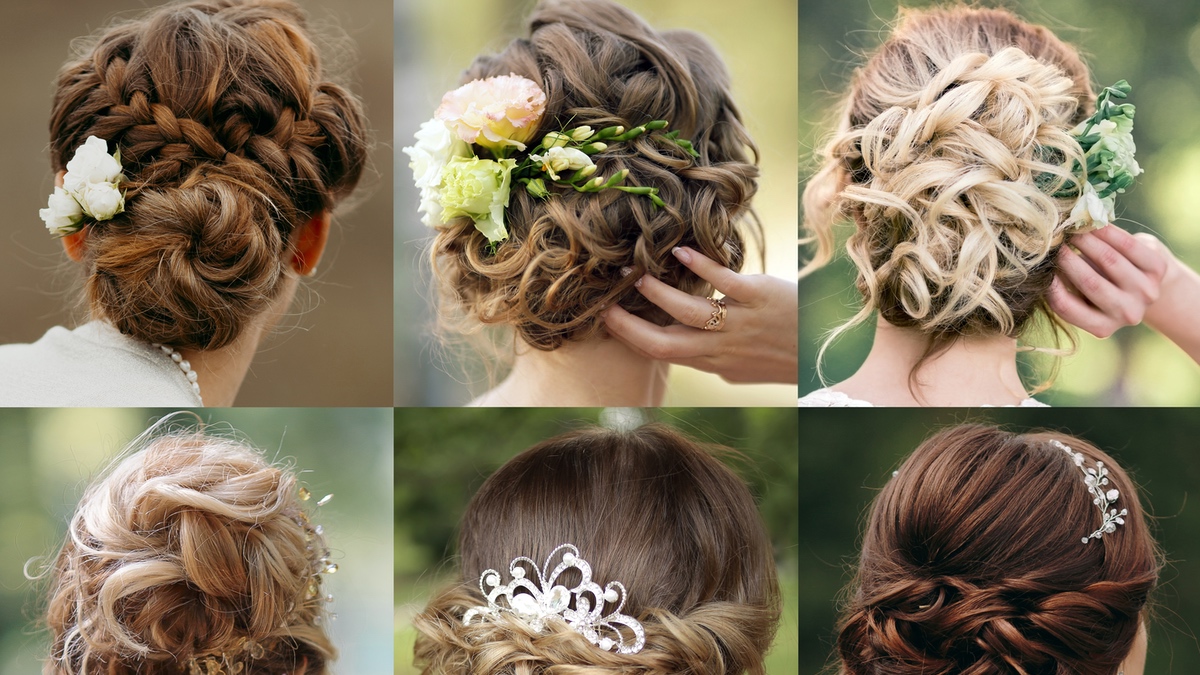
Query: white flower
[
  {"x": 562, "y": 159},
  {"x": 91, "y": 164},
  {"x": 1091, "y": 211},
  {"x": 101, "y": 201},
  {"x": 62, "y": 213},
  {"x": 435, "y": 147},
  {"x": 478, "y": 188}
]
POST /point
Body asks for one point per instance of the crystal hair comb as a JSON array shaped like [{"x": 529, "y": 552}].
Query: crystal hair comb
[
  {"x": 1096, "y": 479},
  {"x": 537, "y": 600}
]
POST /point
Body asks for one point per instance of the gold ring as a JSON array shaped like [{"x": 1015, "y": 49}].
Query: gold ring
[{"x": 717, "y": 320}]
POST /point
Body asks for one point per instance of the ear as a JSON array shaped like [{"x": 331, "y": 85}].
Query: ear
[
  {"x": 75, "y": 244},
  {"x": 309, "y": 243}
]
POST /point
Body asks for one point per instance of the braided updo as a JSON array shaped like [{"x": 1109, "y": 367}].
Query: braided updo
[
  {"x": 648, "y": 508},
  {"x": 601, "y": 65},
  {"x": 951, "y": 143},
  {"x": 192, "y": 547},
  {"x": 972, "y": 563},
  {"x": 231, "y": 140}
]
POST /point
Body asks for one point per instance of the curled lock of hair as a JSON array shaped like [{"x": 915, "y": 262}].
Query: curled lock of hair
[
  {"x": 230, "y": 138},
  {"x": 189, "y": 547},
  {"x": 950, "y": 144},
  {"x": 972, "y": 564},
  {"x": 600, "y": 65},
  {"x": 648, "y": 508}
]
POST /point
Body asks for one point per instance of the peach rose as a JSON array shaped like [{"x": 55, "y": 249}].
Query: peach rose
[{"x": 497, "y": 113}]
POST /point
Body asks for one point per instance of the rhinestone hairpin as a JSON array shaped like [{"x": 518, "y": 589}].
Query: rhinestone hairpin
[
  {"x": 1096, "y": 479},
  {"x": 537, "y": 600}
]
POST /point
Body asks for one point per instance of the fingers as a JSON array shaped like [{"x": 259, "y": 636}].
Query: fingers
[
  {"x": 725, "y": 280},
  {"x": 1098, "y": 290},
  {"x": 1145, "y": 251},
  {"x": 668, "y": 343},
  {"x": 1076, "y": 311},
  {"x": 1116, "y": 267},
  {"x": 688, "y": 310}
]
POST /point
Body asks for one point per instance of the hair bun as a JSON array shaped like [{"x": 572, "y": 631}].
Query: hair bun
[{"x": 192, "y": 547}]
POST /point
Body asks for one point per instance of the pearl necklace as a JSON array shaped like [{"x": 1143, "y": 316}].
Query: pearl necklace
[{"x": 185, "y": 366}]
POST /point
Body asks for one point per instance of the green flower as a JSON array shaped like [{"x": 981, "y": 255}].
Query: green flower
[{"x": 478, "y": 188}]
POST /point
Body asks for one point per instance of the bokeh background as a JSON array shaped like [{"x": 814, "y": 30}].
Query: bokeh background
[
  {"x": 1155, "y": 45},
  {"x": 50, "y": 456},
  {"x": 436, "y": 41},
  {"x": 444, "y": 455},
  {"x": 847, "y": 456},
  {"x": 335, "y": 346}
]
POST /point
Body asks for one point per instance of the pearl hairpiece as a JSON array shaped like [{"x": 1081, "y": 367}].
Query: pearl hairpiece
[
  {"x": 1096, "y": 479},
  {"x": 537, "y": 600}
]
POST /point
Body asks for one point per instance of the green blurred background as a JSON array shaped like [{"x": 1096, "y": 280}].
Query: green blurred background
[
  {"x": 49, "y": 457},
  {"x": 1155, "y": 44},
  {"x": 436, "y": 41},
  {"x": 444, "y": 455},
  {"x": 316, "y": 355},
  {"x": 846, "y": 457}
]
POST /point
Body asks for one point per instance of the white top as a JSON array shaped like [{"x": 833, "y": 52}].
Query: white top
[
  {"x": 827, "y": 398},
  {"x": 92, "y": 366}
]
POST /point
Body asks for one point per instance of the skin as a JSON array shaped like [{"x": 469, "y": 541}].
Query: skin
[
  {"x": 222, "y": 371},
  {"x": 1135, "y": 662},
  {"x": 1110, "y": 278},
  {"x": 758, "y": 342}
]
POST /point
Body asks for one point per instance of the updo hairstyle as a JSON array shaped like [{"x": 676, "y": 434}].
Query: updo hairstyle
[
  {"x": 231, "y": 140},
  {"x": 648, "y": 508},
  {"x": 600, "y": 65},
  {"x": 950, "y": 144},
  {"x": 193, "y": 547},
  {"x": 972, "y": 563}
]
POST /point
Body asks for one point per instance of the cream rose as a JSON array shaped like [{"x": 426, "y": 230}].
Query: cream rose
[
  {"x": 91, "y": 164},
  {"x": 497, "y": 113},
  {"x": 62, "y": 213},
  {"x": 478, "y": 188},
  {"x": 101, "y": 201}
]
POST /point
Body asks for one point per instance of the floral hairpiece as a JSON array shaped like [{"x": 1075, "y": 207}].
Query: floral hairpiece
[
  {"x": 1108, "y": 149},
  {"x": 497, "y": 117},
  {"x": 1095, "y": 480},
  {"x": 90, "y": 189},
  {"x": 536, "y": 601}
]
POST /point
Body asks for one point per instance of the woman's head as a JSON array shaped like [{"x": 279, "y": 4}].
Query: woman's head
[
  {"x": 648, "y": 508},
  {"x": 232, "y": 141},
  {"x": 601, "y": 65},
  {"x": 951, "y": 142},
  {"x": 192, "y": 549},
  {"x": 972, "y": 562}
]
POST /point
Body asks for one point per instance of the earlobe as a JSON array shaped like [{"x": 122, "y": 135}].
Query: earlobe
[
  {"x": 75, "y": 244},
  {"x": 309, "y": 243}
]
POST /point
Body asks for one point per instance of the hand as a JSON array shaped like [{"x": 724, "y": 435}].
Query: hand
[
  {"x": 1111, "y": 282},
  {"x": 757, "y": 343}
]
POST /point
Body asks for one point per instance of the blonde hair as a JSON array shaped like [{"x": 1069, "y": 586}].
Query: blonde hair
[
  {"x": 191, "y": 547},
  {"x": 951, "y": 144}
]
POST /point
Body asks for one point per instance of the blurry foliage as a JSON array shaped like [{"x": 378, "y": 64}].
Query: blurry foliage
[
  {"x": 849, "y": 455},
  {"x": 1155, "y": 45}
]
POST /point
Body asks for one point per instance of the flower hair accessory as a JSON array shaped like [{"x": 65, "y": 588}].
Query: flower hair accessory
[
  {"x": 463, "y": 160},
  {"x": 90, "y": 189},
  {"x": 536, "y": 600},
  {"x": 1096, "y": 479},
  {"x": 1108, "y": 149}
]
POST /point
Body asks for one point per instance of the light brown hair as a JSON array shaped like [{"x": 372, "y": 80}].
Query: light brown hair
[
  {"x": 231, "y": 139},
  {"x": 950, "y": 144},
  {"x": 972, "y": 563},
  {"x": 648, "y": 508},
  {"x": 601, "y": 65},
  {"x": 189, "y": 547}
]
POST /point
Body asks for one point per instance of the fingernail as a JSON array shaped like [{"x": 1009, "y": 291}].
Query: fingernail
[
  {"x": 626, "y": 271},
  {"x": 638, "y": 283},
  {"x": 683, "y": 255}
]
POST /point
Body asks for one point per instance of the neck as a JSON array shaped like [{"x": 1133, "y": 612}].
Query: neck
[
  {"x": 972, "y": 371},
  {"x": 599, "y": 372},
  {"x": 222, "y": 371}
]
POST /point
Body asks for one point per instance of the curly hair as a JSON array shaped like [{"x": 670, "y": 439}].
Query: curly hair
[
  {"x": 192, "y": 547},
  {"x": 950, "y": 145},
  {"x": 600, "y": 65},
  {"x": 972, "y": 563},
  {"x": 231, "y": 139},
  {"x": 649, "y": 508}
]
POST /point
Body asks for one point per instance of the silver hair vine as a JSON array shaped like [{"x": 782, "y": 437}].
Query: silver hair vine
[
  {"x": 1096, "y": 479},
  {"x": 537, "y": 600}
]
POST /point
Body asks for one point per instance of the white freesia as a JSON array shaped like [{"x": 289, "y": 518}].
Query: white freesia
[
  {"x": 62, "y": 213},
  {"x": 559, "y": 159},
  {"x": 91, "y": 164},
  {"x": 1091, "y": 212},
  {"x": 101, "y": 201},
  {"x": 435, "y": 147}
]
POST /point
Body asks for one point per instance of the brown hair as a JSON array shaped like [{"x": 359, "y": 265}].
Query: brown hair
[
  {"x": 192, "y": 547},
  {"x": 601, "y": 65},
  {"x": 972, "y": 563},
  {"x": 950, "y": 144},
  {"x": 231, "y": 140},
  {"x": 648, "y": 508}
]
